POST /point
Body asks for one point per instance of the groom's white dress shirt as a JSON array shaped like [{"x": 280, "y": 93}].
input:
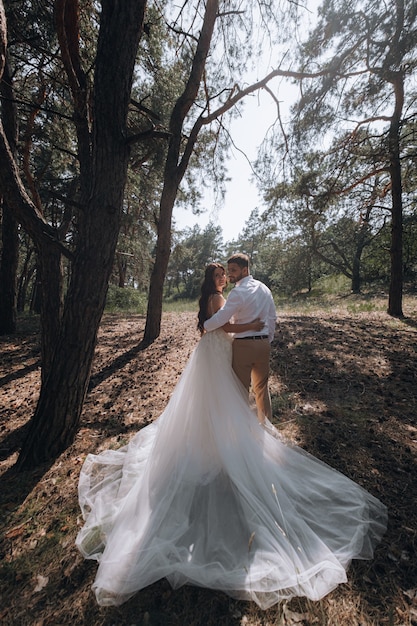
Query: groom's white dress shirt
[{"x": 248, "y": 300}]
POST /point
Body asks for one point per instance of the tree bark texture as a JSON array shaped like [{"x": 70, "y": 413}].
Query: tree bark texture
[
  {"x": 10, "y": 237},
  {"x": 396, "y": 250},
  {"x": 57, "y": 415},
  {"x": 51, "y": 302}
]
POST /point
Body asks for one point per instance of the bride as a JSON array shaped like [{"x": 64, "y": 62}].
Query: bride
[{"x": 207, "y": 495}]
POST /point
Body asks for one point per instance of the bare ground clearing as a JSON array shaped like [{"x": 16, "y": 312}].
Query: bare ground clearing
[{"x": 344, "y": 387}]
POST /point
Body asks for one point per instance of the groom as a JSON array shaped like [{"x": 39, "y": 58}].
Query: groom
[{"x": 250, "y": 299}]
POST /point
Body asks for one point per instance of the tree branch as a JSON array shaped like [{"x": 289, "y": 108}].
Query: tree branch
[
  {"x": 26, "y": 212},
  {"x": 149, "y": 134}
]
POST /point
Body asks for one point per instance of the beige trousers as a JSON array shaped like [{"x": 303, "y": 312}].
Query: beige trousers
[{"x": 251, "y": 365}]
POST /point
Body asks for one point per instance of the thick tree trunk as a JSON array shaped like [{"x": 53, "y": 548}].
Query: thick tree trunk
[
  {"x": 10, "y": 236},
  {"x": 396, "y": 250},
  {"x": 55, "y": 422},
  {"x": 51, "y": 302},
  {"x": 57, "y": 414}
]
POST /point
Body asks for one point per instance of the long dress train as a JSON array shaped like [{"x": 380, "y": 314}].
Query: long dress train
[{"x": 207, "y": 496}]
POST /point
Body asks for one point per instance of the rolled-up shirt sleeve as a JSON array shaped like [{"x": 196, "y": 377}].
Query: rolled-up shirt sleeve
[{"x": 224, "y": 314}]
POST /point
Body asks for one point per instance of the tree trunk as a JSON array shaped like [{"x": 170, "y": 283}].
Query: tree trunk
[
  {"x": 35, "y": 304},
  {"x": 10, "y": 236},
  {"x": 51, "y": 302},
  {"x": 24, "y": 279},
  {"x": 175, "y": 168},
  {"x": 356, "y": 272},
  {"x": 8, "y": 272},
  {"x": 163, "y": 251},
  {"x": 57, "y": 414},
  {"x": 55, "y": 422},
  {"x": 396, "y": 250},
  {"x": 121, "y": 270},
  {"x": 356, "y": 263}
]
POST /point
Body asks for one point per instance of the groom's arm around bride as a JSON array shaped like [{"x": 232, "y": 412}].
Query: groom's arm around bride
[{"x": 249, "y": 299}]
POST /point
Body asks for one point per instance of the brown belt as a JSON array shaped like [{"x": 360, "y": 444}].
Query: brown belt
[{"x": 253, "y": 337}]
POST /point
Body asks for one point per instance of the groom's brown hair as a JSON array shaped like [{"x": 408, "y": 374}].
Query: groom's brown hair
[{"x": 240, "y": 259}]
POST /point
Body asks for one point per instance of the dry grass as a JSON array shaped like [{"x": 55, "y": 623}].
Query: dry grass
[{"x": 344, "y": 387}]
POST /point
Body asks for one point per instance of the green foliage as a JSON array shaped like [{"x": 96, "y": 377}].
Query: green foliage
[
  {"x": 364, "y": 307},
  {"x": 335, "y": 203},
  {"x": 193, "y": 250},
  {"x": 306, "y": 209},
  {"x": 332, "y": 292},
  {"x": 125, "y": 299},
  {"x": 334, "y": 284},
  {"x": 175, "y": 304}
]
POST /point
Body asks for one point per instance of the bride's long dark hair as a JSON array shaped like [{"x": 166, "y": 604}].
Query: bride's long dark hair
[{"x": 207, "y": 289}]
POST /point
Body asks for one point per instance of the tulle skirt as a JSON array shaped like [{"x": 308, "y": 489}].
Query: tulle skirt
[{"x": 207, "y": 496}]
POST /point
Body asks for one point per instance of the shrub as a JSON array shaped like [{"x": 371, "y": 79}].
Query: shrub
[{"x": 126, "y": 299}]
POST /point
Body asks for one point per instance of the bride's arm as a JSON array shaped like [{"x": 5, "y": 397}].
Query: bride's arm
[{"x": 217, "y": 301}]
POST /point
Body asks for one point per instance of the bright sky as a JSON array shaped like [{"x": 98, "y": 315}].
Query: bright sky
[
  {"x": 241, "y": 192},
  {"x": 247, "y": 133}
]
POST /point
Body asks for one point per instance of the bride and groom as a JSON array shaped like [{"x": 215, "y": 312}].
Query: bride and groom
[{"x": 208, "y": 494}]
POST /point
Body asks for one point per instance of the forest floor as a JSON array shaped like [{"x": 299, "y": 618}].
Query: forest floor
[{"x": 344, "y": 387}]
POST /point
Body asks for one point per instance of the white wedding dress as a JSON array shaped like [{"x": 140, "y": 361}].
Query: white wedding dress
[{"x": 207, "y": 496}]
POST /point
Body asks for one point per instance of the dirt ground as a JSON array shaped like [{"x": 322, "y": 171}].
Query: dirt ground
[{"x": 344, "y": 387}]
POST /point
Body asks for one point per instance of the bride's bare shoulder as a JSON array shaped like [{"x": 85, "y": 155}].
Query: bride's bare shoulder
[
  {"x": 215, "y": 302},
  {"x": 216, "y": 297}
]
